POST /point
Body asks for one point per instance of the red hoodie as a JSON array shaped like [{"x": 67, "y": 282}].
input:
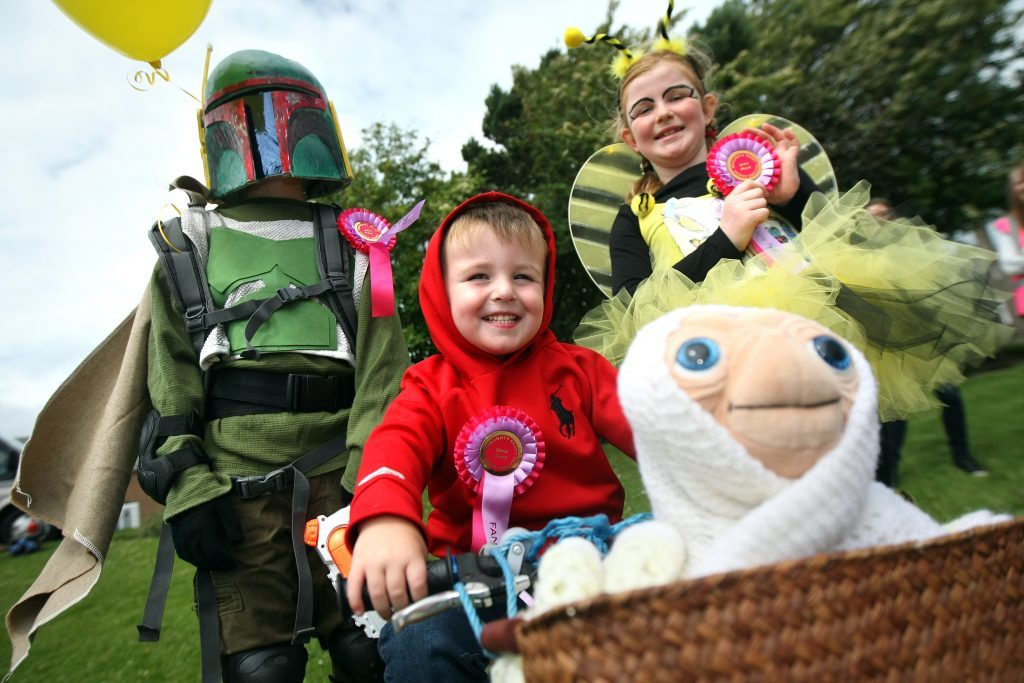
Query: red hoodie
[{"x": 464, "y": 417}]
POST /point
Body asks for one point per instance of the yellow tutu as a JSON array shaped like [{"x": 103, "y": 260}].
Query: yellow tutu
[{"x": 918, "y": 306}]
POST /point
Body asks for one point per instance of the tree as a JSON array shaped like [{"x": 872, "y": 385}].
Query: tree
[
  {"x": 392, "y": 171},
  {"x": 923, "y": 99},
  {"x": 728, "y": 31}
]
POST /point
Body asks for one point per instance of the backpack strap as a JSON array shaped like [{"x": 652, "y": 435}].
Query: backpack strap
[
  {"x": 333, "y": 257},
  {"x": 186, "y": 276}
]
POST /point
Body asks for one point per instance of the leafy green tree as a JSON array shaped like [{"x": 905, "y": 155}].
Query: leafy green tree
[
  {"x": 728, "y": 31},
  {"x": 923, "y": 99},
  {"x": 392, "y": 171}
]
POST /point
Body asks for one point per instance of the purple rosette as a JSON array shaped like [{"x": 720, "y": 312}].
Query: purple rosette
[{"x": 498, "y": 455}]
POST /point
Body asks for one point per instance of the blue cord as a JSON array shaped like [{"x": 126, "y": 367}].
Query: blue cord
[
  {"x": 595, "y": 529},
  {"x": 474, "y": 619},
  {"x": 511, "y": 603}
]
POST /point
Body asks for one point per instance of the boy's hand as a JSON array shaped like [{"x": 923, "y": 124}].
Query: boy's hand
[
  {"x": 744, "y": 208},
  {"x": 390, "y": 557},
  {"x": 787, "y": 147}
]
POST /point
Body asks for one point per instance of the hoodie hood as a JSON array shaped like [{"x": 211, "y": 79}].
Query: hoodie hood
[{"x": 437, "y": 312}]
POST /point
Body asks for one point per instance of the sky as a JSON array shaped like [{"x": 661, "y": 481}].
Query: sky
[{"x": 87, "y": 158}]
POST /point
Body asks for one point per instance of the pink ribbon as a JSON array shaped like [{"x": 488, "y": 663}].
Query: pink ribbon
[
  {"x": 374, "y": 236},
  {"x": 382, "y": 283}
]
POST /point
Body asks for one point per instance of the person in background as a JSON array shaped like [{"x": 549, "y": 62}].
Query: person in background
[
  {"x": 954, "y": 419},
  {"x": 1006, "y": 234}
]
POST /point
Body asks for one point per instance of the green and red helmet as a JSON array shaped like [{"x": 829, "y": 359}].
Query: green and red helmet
[{"x": 268, "y": 116}]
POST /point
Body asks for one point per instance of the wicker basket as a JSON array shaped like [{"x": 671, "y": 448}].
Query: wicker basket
[{"x": 948, "y": 610}]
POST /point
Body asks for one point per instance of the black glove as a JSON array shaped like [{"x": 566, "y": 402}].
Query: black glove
[{"x": 203, "y": 534}]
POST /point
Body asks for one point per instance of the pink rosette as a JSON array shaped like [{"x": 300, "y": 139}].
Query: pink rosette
[
  {"x": 498, "y": 455},
  {"x": 374, "y": 236},
  {"x": 743, "y": 156}
]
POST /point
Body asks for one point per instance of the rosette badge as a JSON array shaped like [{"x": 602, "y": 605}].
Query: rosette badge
[
  {"x": 375, "y": 237},
  {"x": 499, "y": 453},
  {"x": 743, "y": 156}
]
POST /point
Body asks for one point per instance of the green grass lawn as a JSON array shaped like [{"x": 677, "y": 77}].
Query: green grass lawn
[{"x": 97, "y": 641}]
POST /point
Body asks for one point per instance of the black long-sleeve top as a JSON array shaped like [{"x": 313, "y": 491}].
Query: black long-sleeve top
[{"x": 631, "y": 257}]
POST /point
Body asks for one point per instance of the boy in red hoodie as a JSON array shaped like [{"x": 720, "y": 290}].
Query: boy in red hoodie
[{"x": 503, "y": 427}]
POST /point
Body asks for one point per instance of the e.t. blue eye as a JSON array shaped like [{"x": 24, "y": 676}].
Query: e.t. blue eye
[
  {"x": 699, "y": 353},
  {"x": 832, "y": 351}
]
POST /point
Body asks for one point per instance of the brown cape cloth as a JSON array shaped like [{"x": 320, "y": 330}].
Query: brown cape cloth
[{"x": 75, "y": 469}]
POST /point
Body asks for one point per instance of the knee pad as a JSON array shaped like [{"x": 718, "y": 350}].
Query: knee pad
[
  {"x": 354, "y": 657},
  {"x": 283, "y": 663}
]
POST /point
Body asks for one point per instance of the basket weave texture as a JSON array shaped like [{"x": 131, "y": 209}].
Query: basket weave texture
[{"x": 951, "y": 609}]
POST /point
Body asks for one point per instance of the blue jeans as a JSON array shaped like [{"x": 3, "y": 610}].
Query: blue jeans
[{"x": 441, "y": 648}]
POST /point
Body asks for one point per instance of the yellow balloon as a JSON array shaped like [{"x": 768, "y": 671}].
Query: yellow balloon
[{"x": 141, "y": 29}]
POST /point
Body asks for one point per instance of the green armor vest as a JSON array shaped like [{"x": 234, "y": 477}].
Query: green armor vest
[{"x": 238, "y": 258}]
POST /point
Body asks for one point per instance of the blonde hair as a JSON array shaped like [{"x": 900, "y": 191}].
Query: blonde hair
[
  {"x": 511, "y": 224},
  {"x": 698, "y": 64}
]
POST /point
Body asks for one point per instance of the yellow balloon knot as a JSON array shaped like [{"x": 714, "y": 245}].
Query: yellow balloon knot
[
  {"x": 573, "y": 37},
  {"x": 642, "y": 204},
  {"x": 676, "y": 45}
]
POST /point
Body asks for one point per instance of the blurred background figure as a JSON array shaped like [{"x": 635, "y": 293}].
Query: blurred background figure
[
  {"x": 954, "y": 418},
  {"x": 28, "y": 533},
  {"x": 1006, "y": 234}
]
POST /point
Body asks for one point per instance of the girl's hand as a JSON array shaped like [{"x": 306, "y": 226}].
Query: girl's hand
[
  {"x": 787, "y": 147},
  {"x": 390, "y": 558},
  {"x": 744, "y": 208}
]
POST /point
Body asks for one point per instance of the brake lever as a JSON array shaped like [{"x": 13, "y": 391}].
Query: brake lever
[{"x": 481, "y": 594}]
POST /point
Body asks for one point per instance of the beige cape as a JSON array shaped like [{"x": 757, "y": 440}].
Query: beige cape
[{"x": 75, "y": 469}]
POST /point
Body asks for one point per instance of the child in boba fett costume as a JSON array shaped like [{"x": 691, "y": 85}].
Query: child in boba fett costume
[
  {"x": 266, "y": 361},
  {"x": 267, "y": 383}
]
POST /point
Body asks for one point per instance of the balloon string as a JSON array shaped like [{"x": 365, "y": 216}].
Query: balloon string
[
  {"x": 160, "y": 226},
  {"x": 142, "y": 80}
]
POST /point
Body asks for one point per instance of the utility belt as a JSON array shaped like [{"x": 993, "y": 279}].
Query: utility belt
[
  {"x": 232, "y": 392},
  {"x": 235, "y": 391}
]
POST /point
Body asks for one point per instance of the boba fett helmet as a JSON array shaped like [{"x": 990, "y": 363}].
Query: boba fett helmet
[{"x": 267, "y": 116}]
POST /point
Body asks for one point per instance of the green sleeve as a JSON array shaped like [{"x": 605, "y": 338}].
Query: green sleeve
[
  {"x": 381, "y": 359},
  {"x": 175, "y": 385}
]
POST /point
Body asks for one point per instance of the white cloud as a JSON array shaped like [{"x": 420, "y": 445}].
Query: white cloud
[{"x": 86, "y": 159}]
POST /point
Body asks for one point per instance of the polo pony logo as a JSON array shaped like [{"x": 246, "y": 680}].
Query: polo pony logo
[{"x": 567, "y": 423}]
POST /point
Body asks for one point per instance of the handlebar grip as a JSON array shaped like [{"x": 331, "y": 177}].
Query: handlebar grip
[{"x": 440, "y": 577}]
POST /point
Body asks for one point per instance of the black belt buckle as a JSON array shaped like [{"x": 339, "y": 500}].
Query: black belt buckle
[
  {"x": 311, "y": 393},
  {"x": 255, "y": 486},
  {"x": 290, "y": 294}
]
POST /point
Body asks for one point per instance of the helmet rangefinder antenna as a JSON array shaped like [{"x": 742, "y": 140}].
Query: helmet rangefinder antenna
[{"x": 202, "y": 110}]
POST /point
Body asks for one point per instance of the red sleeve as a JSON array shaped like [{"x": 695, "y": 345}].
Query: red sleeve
[
  {"x": 607, "y": 418},
  {"x": 398, "y": 458}
]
